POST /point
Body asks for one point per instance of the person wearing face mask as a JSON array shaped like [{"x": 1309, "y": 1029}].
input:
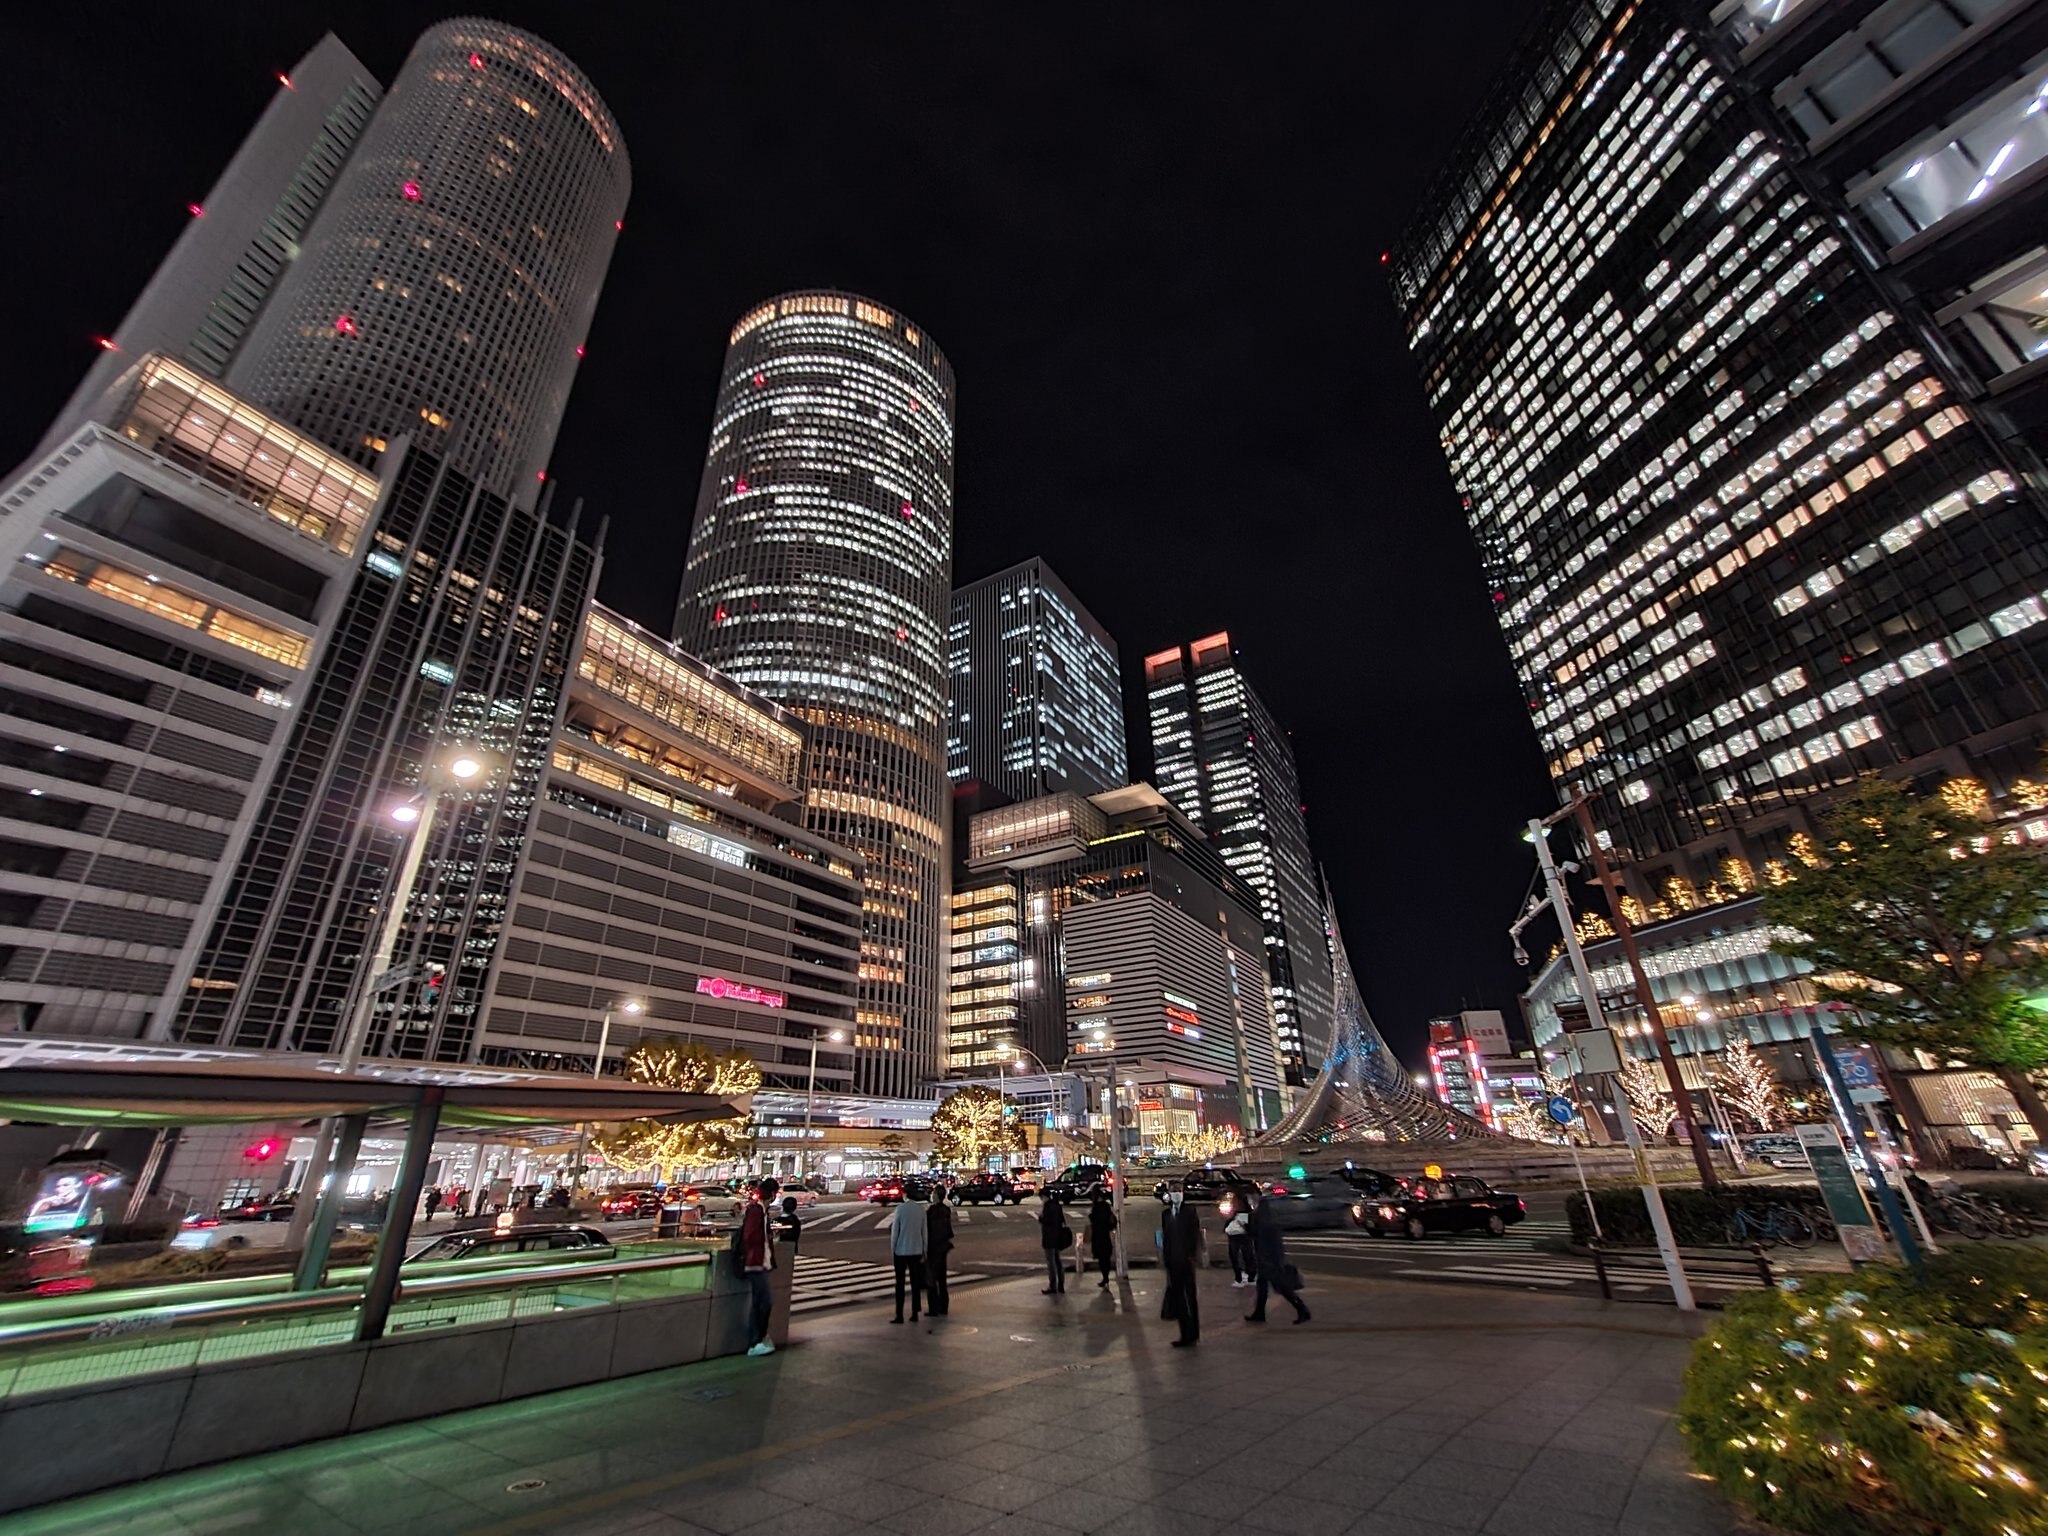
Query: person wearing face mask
[{"x": 1180, "y": 1250}]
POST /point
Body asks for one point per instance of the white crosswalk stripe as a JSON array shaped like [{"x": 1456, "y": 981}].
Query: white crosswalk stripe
[{"x": 821, "y": 1283}]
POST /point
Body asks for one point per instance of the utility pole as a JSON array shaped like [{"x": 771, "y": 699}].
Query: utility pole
[
  {"x": 1653, "y": 1198},
  {"x": 1681, "y": 1096}
]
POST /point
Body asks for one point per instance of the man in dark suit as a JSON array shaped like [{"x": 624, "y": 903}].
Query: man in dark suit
[{"x": 1180, "y": 1250}]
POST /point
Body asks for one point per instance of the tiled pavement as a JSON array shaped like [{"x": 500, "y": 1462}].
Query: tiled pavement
[{"x": 1399, "y": 1411}]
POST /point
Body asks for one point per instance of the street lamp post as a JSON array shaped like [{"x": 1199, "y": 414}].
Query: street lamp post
[
  {"x": 604, "y": 1030},
  {"x": 811, "y": 1093}
]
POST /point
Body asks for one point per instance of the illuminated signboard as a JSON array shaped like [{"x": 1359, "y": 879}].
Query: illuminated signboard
[
  {"x": 1092, "y": 979},
  {"x": 739, "y": 992},
  {"x": 1092, "y": 1000},
  {"x": 1183, "y": 1029},
  {"x": 1184, "y": 1002},
  {"x": 1182, "y": 1014}
]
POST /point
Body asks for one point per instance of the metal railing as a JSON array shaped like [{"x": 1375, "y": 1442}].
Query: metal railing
[{"x": 69, "y": 1352}]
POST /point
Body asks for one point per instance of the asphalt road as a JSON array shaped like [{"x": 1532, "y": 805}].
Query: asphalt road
[{"x": 843, "y": 1255}]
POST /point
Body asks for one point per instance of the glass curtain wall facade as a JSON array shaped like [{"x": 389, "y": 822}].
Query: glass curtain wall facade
[
  {"x": 1036, "y": 698},
  {"x": 207, "y": 292},
  {"x": 1742, "y": 537},
  {"x": 1226, "y": 764},
  {"x": 456, "y": 635},
  {"x": 818, "y": 575},
  {"x": 446, "y": 288}
]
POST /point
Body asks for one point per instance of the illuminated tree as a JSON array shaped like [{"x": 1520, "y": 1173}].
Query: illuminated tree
[
  {"x": 1205, "y": 1145},
  {"x": 1915, "y": 911},
  {"x": 1649, "y": 1096},
  {"x": 1523, "y": 1120},
  {"x": 970, "y": 1126},
  {"x": 1748, "y": 1086},
  {"x": 663, "y": 1061}
]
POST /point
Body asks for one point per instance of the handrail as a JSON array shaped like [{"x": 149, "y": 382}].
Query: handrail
[{"x": 151, "y": 1320}]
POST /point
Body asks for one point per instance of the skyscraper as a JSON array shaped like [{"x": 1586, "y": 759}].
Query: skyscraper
[
  {"x": 1222, "y": 759},
  {"x": 200, "y": 303},
  {"x": 1035, "y": 704},
  {"x": 447, "y": 284},
  {"x": 818, "y": 574},
  {"x": 1744, "y": 535}
]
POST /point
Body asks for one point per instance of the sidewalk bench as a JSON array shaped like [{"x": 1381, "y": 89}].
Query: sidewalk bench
[{"x": 1718, "y": 1269}]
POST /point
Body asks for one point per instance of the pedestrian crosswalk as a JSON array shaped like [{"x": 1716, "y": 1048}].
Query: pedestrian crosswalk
[
  {"x": 870, "y": 1216},
  {"x": 820, "y": 1283},
  {"x": 1526, "y": 1256}
]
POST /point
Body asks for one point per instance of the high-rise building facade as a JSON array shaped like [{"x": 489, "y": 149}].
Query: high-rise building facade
[
  {"x": 1035, "y": 704},
  {"x": 818, "y": 575},
  {"x": 1226, "y": 764},
  {"x": 203, "y": 298},
  {"x": 1744, "y": 533},
  {"x": 665, "y": 885},
  {"x": 446, "y": 286},
  {"x": 455, "y": 637},
  {"x": 1928, "y": 121},
  {"x": 169, "y": 576}
]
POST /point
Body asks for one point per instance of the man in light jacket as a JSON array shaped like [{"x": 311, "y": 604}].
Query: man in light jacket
[{"x": 907, "y": 1243}]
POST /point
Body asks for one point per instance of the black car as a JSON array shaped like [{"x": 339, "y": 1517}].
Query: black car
[
  {"x": 984, "y": 1187},
  {"x": 1316, "y": 1200},
  {"x": 567, "y": 1242},
  {"x": 1450, "y": 1204},
  {"x": 1078, "y": 1183},
  {"x": 277, "y": 1207},
  {"x": 1206, "y": 1186}
]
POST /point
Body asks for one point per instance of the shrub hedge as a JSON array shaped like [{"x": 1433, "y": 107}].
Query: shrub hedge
[{"x": 1882, "y": 1403}]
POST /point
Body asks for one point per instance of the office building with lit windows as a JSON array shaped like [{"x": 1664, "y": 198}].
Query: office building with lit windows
[
  {"x": 667, "y": 883},
  {"x": 1223, "y": 760},
  {"x": 1036, "y": 701},
  {"x": 169, "y": 576},
  {"x": 818, "y": 575},
  {"x": 238, "y": 241},
  {"x": 445, "y": 289},
  {"x": 1106, "y": 935},
  {"x": 1928, "y": 121},
  {"x": 1746, "y": 530}
]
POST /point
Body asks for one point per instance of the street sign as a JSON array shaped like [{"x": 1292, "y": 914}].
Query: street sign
[
  {"x": 1843, "y": 1192},
  {"x": 1561, "y": 1109},
  {"x": 1859, "y": 1071},
  {"x": 397, "y": 976},
  {"x": 1596, "y": 1050}
]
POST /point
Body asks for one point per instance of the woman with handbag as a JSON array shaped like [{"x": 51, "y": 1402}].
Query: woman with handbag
[
  {"x": 1270, "y": 1248},
  {"x": 1055, "y": 1237}
]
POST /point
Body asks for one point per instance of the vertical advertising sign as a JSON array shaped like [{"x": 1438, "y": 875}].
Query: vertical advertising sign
[{"x": 1843, "y": 1192}]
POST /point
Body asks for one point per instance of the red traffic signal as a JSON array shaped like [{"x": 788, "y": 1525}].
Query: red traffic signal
[{"x": 264, "y": 1150}]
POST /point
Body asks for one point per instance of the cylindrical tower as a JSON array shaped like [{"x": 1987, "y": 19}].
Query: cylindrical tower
[
  {"x": 820, "y": 566},
  {"x": 446, "y": 287}
]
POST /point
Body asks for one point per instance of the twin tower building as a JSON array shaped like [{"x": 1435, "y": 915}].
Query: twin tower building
[{"x": 288, "y": 571}]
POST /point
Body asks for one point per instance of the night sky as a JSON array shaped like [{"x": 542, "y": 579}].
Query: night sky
[{"x": 1148, "y": 241}]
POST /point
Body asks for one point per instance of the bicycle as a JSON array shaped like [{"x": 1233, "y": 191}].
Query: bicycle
[
  {"x": 1769, "y": 1225},
  {"x": 1997, "y": 1218}
]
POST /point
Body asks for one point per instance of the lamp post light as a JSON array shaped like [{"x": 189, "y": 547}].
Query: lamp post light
[
  {"x": 604, "y": 1031},
  {"x": 811, "y": 1094}
]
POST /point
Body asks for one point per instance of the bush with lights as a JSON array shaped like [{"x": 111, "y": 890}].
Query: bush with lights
[{"x": 1883, "y": 1402}]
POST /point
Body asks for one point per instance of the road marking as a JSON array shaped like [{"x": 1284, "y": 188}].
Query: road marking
[
  {"x": 821, "y": 1283},
  {"x": 1484, "y": 1274}
]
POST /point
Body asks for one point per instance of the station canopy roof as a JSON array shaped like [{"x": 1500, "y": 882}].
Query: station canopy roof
[{"x": 56, "y": 1081}]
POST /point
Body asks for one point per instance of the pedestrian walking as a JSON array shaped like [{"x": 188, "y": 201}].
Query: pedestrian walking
[
  {"x": 1055, "y": 1237},
  {"x": 1244, "y": 1267},
  {"x": 907, "y": 1239},
  {"x": 1180, "y": 1251},
  {"x": 1102, "y": 1234},
  {"x": 433, "y": 1201},
  {"x": 757, "y": 1261},
  {"x": 938, "y": 1242},
  {"x": 1269, "y": 1248}
]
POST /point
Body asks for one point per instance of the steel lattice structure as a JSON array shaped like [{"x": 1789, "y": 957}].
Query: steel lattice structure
[{"x": 1363, "y": 1092}]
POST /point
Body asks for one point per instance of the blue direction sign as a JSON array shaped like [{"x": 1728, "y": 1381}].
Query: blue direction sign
[{"x": 1561, "y": 1109}]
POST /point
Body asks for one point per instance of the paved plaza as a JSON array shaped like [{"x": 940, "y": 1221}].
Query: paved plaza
[{"x": 1401, "y": 1410}]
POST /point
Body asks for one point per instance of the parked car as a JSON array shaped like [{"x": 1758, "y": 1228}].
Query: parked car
[
  {"x": 494, "y": 1243},
  {"x": 1456, "y": 1203},
  {"x": 984, "y": 1187},
  {"x": 1207, "y": 1186},
  {"x": 1075, "y": 1185}
]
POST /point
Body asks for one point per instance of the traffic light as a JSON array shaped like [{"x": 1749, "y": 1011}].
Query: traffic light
[
  {"x": 264, "y": 1150},
  {"x": 1297, "y": 1172}
]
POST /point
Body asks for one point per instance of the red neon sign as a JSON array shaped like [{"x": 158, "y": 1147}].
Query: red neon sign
[
  {"x": 739, "y": 992},
  {"x": 1182, "y": 1014}
]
